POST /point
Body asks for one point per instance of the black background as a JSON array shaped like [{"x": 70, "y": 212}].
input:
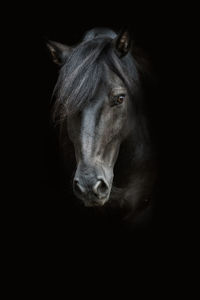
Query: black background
[{"x": 41, "y": 217}]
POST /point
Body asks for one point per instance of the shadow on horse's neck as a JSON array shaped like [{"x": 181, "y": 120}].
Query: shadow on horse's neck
[{"x": 134, "y": 153}]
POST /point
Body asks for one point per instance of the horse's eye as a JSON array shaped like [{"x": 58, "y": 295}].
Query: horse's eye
[
  {"x": 120, "y": 98},
  {"x": 117, "y": 99}
]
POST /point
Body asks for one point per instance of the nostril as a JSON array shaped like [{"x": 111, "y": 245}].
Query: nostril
[
  {"x": 78, "y": 188},
  {"x": 100, "y": 188},
  {"x": 96, "y": 187},
  {"x": 103, "y": 187}
]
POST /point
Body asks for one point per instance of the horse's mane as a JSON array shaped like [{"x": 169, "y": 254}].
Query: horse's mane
[{"x": 84, "y": 69}]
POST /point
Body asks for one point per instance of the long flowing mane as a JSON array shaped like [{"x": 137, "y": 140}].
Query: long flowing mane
[{"x": 83, "y": 70}]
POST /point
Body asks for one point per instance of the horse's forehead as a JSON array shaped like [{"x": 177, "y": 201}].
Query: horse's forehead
[
  {"x": 111, "y": 83},
  {"x": 111, "y": 79}
]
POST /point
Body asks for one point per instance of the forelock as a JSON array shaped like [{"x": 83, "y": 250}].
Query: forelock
[{"x": 82, "y": 72}]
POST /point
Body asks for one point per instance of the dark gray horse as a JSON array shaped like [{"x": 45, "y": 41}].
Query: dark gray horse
[{"x": 100, "y": 107}]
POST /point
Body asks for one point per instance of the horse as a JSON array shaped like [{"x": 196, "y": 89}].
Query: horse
[{"x": 103, "y": 126}]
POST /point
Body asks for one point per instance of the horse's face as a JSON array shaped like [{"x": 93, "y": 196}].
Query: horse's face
[
  {"x": 97, "y": 132},
  {"x": 98, "y": 129}
]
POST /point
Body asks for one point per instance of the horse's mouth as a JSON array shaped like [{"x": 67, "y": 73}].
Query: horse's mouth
[
  {"x": 92, "y": 201},
  {"x": 95, "y": 203}
]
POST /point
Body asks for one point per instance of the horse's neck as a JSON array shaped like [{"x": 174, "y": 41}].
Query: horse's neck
[{"x": 133, "y": 173}]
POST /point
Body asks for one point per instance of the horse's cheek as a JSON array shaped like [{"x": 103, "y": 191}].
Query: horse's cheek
[{"x": 118, "y": 120}]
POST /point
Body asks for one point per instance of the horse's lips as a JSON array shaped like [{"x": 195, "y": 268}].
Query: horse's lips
[{"x": 95, "y": 203}]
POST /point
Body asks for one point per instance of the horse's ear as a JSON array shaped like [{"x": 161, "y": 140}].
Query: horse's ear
[
  {"x": 58, "y": 51},
  {"x": 122, "y": 43}
]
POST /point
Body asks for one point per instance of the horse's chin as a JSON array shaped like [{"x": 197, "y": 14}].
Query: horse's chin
[{"x": 99, "y": 203}]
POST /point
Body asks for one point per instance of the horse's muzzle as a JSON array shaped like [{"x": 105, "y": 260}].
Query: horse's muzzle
[{"x": 92, "y": 192}]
